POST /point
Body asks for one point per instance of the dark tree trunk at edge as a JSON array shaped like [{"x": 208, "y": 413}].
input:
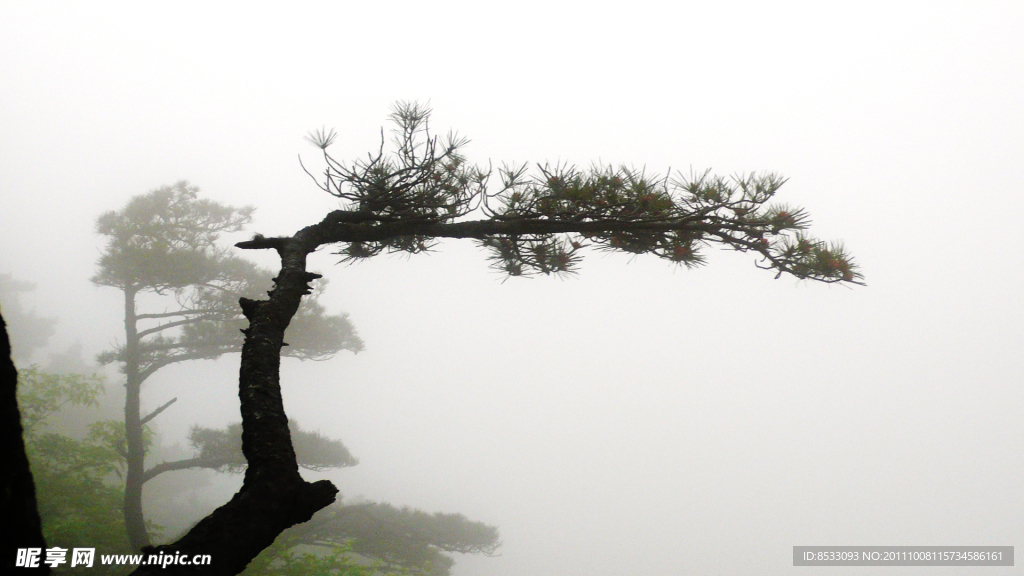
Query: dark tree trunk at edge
[{"x": 20, "y": 526}]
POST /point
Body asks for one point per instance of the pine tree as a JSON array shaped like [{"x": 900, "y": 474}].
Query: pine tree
[
  {"x": 164, "y": 243},
  {"x": 28, "y": 331},
  {"x": 535, "y": 222}
]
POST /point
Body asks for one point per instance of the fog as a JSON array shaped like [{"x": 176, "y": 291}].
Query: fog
[{"x": 636, "y": 418}]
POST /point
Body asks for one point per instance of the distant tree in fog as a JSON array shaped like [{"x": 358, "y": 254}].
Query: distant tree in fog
[
  {"x": 28, "y": 331},
  {"x": 410, "y": 542},
  {"x": 534, "y": 222},
  {"x": 80, "y": 499},
  {"x": 164, "y": 243}
]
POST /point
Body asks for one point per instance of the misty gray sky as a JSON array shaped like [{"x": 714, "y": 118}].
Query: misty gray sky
[{"x": 636, "y": 419}]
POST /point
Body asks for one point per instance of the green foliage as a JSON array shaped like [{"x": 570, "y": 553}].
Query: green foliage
[
  {"x": 77, "y": 504},
  {"x": 400, "y": 538},
  {"x": 222, "y": 449},
  {"x": 41, "y": 394},
  {"x": 312, "y": 334},
  {"x": 165, "y": 239},
  {"x": 164, "y": 242},
  {"x": 734, "y": 211},
  {"x": 284, "y": 558},
  {"x": 425, "y": 179},
  {"x": 111, "y": 433},
  {"x": 374, "y": 539},
  {"x": 79, "y": 501},
  {"x": 537, "y": 222}
]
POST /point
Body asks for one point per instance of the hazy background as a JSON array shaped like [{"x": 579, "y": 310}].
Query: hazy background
[{"x": 636, "y": 419}]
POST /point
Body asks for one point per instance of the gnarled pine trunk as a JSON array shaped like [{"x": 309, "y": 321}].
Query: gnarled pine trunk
[{"x": 273, "y": 496}]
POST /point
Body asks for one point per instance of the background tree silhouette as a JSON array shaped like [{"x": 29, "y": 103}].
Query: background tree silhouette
[
  {"x": 28, "y": 331},
  {"x": 533, "y": 223},
  {"x": 77, "y": 477},
  {"x": 164, "y": 243},
  {"x": 400, "y": 538},
  {"x": 80, "y": 494}
]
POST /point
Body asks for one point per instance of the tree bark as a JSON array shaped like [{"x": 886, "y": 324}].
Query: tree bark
[
  {"x": 20, "y": 526},
  {"x": 273, "y": 496},
  {"x": 134, "y": 521}
]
